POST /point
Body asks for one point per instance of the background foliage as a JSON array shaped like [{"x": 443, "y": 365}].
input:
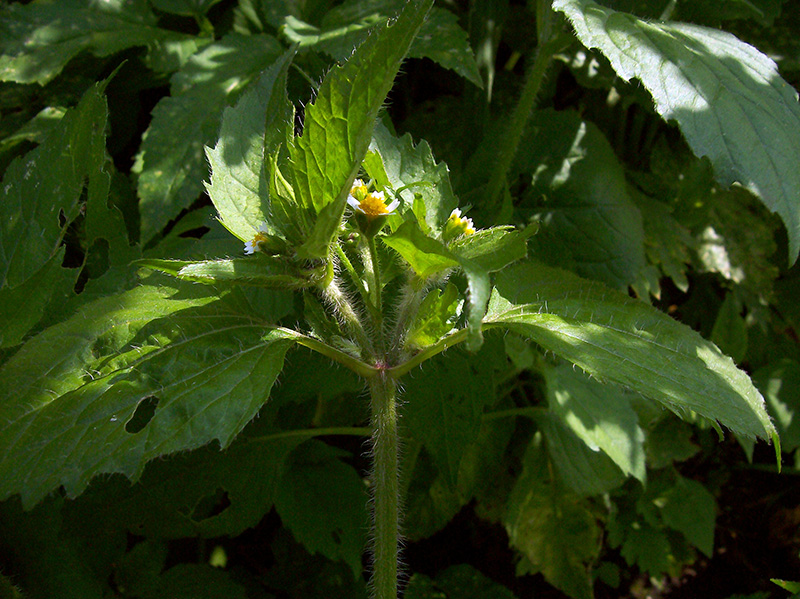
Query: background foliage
[{"x": 523, "y": 476}]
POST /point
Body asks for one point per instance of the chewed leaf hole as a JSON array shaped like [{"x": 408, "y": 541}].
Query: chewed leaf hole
[{"x": 143, "y": 414}]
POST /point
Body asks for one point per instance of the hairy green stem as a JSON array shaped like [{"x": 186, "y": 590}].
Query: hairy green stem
[
  {"x": 375, "y": 270},
  {"x": 346, "y": 314},
  {"x": 516, "y": 125},
  {"x": 385, "y": 486},
  {"x": 355, "y": 278}
]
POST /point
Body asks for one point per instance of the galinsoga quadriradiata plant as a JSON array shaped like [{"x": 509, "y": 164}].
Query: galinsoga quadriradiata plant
[{"x": 391, "y": 271}]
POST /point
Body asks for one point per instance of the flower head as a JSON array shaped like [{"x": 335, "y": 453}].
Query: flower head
[
  {"x": 457, "y": 225},
  {"x": 370, "y": 204},
  {"x": 260, "y": 237}
]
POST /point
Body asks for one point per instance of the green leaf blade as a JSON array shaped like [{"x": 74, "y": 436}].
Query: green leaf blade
[
  {"x": 142, "y": 375},
  {"x": 726, "y": 96},
  {"x": 239, "y": 186},
  {"x": 338, "y": 126},
  {"x": 171, "y": 162},
  {"x": 39, "y": 39},
  {"x": 622, "y": 340}
]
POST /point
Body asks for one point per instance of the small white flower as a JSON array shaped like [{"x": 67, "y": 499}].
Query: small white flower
[
  {"x": 260, "y": 237},
  {"x": 373, "y": 205}
]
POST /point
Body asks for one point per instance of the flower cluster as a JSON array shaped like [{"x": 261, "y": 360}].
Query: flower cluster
[{"x": 457, "y": 225}]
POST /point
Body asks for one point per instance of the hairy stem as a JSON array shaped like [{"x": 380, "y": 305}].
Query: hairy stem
[
  {"x": 516, "y": 125},
  {"x": 385, "y": 486}
]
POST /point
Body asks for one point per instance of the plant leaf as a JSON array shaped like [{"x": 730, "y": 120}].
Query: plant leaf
[
  {"x": 427, "y": 256},
  {"x": 553, "y": 529},
  {"x": 397, "y": 162},
  {"x": 622, "y": 340},
  {"x": 444, "y": 408},
  {"x": 140, "y": 375},
  {"x": 434, "y": 317},
  {"x": 346, "y": 26},
  {"x": 600, "y": 415},
  {"x": 250, "y": 132},
  {"x": 321, "y": 500},
  {"x": 171, "y": 162},
  {"x": 582, "y": 470},
  {"x": 579, "y": 195},
  {"x": 166, "y": 502},
  {"x": 259, "y": 271},
  {"x": 726, "y": 96},
  {"x": 38, "y": 39},
  {"x": 37, "y": 190},
  {"x": 338, "y": 126}
]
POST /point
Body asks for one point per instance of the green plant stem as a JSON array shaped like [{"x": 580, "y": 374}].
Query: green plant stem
[
  {"x": 375, "y": 283},
  {"x": 385, "y": 486},
  {"x": 516, "y": 126},
  {"x": 427, "y": 353},
  {"x": 346, "y": 314},
  {"x": 348, "y": 265},
  {"x": 360, "y": 368}
]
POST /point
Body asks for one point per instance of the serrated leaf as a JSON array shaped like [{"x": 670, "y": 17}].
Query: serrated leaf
[
  {"x": 600, "y": 415},
  {"x": 171, "y": 163},
  {"x": 491, "y": 249},
  {"x": 344, "y": 27},
  {"x": 23, "y": 306},
  {"x": 726, "y": 96},
  {"x": 140, "y": 375},
  {"x": 258, "y": 271},
  {"x": 622, "y": 340},
  {"x": 40, "y": 38},
  {"x": 338, "y": 126},
  {"x": 399, "y": 163},
  {"x": 321, "y": 500},
  {"x": 250, "y": 132},
  {"x": 46, "y": 181},
  {"x": 39, "y": 189},
  {"x": 427, "y": 256},
  {"x": 580, "y": 196},
  {"x": 690, "y": 508},
  {"x": 443, "y": 409}
]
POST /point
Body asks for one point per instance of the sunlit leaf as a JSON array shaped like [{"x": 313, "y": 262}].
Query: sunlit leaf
[
  {"x": 250, "y": 131},
  {"x": 600, "y": 415},
  {"x": 579, "y": 194},
  {"x": 622, "y": 340},
  {"x": 146, "y": 373},
  {"x": 338, "y": 127},
  {"x": 727, "y": 97},
  {"x": 38, "y": 39}
]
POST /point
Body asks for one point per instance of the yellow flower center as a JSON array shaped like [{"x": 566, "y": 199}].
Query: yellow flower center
[{"x": 373, "y": 206}]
